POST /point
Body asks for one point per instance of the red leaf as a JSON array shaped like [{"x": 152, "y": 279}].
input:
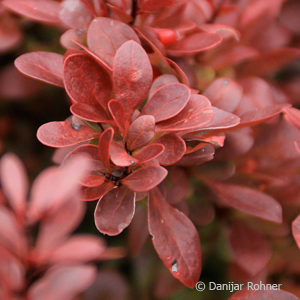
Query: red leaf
[
  {"x": 92, "y": 180},
  {"x": 167, "y": 101},
  {"x": 105, "y": 141},
  {"x": 116, "y": 109},
  {"x": 149, "y": 152},
  {"x": 115, "y": 211},
  {"x": 152, "y": 5},
  {"x": 201, "y": 156},
  {"x": 194, "y": 43},
  {"x": 222, "y": 120},
  {"x": 196, "y": 114},
  {"x": 14, "y": 182},
  {"x": 296, "y": 230},
  {"x": 62, "y": 134},
  {"x": 94, "y": 193},
  {"x": 10, "y": 34},
  {"x": 248, "y": 294},
  {"x": 119, "y": 155},
  {"x": 79, "y": 248},
  {"x": 63, "y": 282},
  {"x": 248, "y": 200},
  {"x": 175, "y": 239},
  {"x": 39, "y": 10},
  {"x": 85, "y": 81},
  {"x": 75, "y": 14},
  {"x": 249, "y": 248},
  {"x": 260, "y": 115},
  {"x": 11, "y": 236},
  {"x": 44, "y": 66},
  {"x": 224, "y": 93},
  {"x": 161, "y": 81},
  {"x": 138, "y": 230},
  {"x": 174, "y": 149},
  {"x": 92, "y": 113},
  {"x": 100, "y": 41},
  {"x": 66, "y": 180},
  {"x": 269, "y": 61},
  {"x": 145, "y": 179},
  {"x": 292, "y": 115},
  {"x": 132, "y": 75},
  {"x": 54, "y": 228},
  {"x": 140, "y": 132}
]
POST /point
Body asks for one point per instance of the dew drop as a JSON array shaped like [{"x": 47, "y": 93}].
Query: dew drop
[
  {"x": 76, "y": 126},
  {"x": 132, "y": 162},
  {"x": 174, "y": 268},
  {"x": 225, "y": 82}
]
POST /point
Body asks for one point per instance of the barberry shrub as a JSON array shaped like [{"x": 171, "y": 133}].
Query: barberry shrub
[{"x": 179, "y": 105}]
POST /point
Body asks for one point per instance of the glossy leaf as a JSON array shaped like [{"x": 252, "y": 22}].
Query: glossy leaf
[
  {"x": 246, "y": 294},
  {"x": 196, "y": 114},
  {"x": 44, "y": 66},
  {"x": 248, "y": 200},
  {"x": 174, "y": 149},
  {"x": 149, "y": 152},
  {"x": 88, "y": 248},
  {"x": 99, "y": 38},
  {"x": 105, "y": 141},
  {"x": 62, "y": 134},
  {"x": 115, "y": 211},
  {"x": 39, "y": 10},
  {"x": 92, "y": 180},
  {"x": 141, "y": 132},
  {"x": 85, "y": 81},
  {"x": 14, "y": 182},
  {"x": 62, "y": 282},
  {"x": 119, "y": 156},
  {"x": 175, "y": 239},
  {"x": 167, "y": 101},
  {"x": 194, "y": 43},
  {"x": 249, "y": 248},
  {"x": 145, "y": 179},
  {"x": 132, "y": 75}
]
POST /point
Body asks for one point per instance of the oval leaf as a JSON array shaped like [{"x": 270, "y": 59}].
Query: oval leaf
[
  {"x": 145, "y": 179},
  {"x": 100, "y": 41},
  {"x": 115, "y": 211},
  {"x": 167, "y": 101},
  {"x": 14, "y": 182},
  {"x": 140, "y": 132},
  {"x": 119, "y": 155},
  {"x": 132, "y": 75},
  {"x": 248, "y": 200},
  {"x": 85, "y": 81},
  {"x": 105, "y": 141},
  {"x": 175, "y": 239},
  {"x": 194, "y": 43},
  {"x": 196, "y": 114},
  {"x": 63, "y": 282},
  {"x": 62, "y": 134},
  {"x": 296, "y": 230},
  {"x": 149, "y": 152},
  {"x": 44, "y": 66},
  {"x": 174, "y": 149},
  {"x": 249, "y": 248},
  {"x": 39, "y": 10}
]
